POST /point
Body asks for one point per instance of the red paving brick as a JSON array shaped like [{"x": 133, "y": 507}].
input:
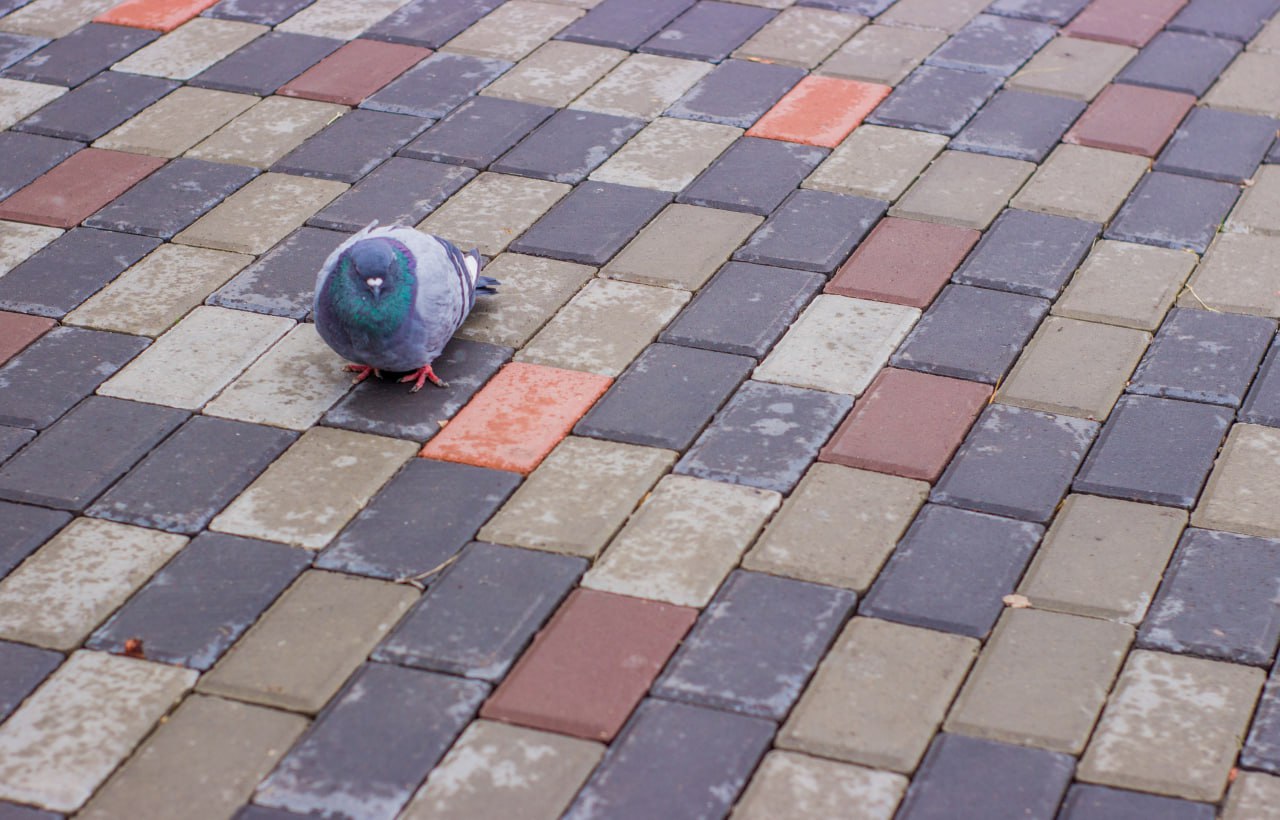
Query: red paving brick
[
  {"x": 17, "y": 330},
  {"x": 161, "y": 15},
  {"x": 1131, "y": 119},
  {"x": 820, "y": 111},
  {"x": 594, "y": 661},
  {"x": 1128, "y": 22},
  {"x": 903, "y": 261},
  {"x": 74, "y": 190},
  {"x": 354, "y": 71}
]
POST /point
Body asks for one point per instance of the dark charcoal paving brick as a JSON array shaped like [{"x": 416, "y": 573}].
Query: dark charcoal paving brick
[
  {"x": 971, "y": 777},
  {"x": 992, "y": 45},
  {"x": 22, "y": 668},
  {"x": 12, "y": 811},
  {"x": 84, "y": 52},
  {"x": 1016, "y": 462},
  {"x": 400, "y": 191},
  {"x": 263, "y": 12},
  {"x": 386, "y": 407},
  {"x": 267, "y": 63},
  {"x": 666, "y": 396},
  {"x": 424, "y": 516},
  {"x": 27, "y": 156},
  {"x": 477, "y": 618},
  {"x": 736, "y": 92},
  {"x": 96, "y": 107},
  {"x": 744, "y": 309},
  {"x": 1058, "y": 12},
  {"x": 709, "y": 30},
  {"x": 622, "y": 23},
  {"x": 13, "y": 47},
  {"x": 1180, "y": 62},
  {"x": 252, "y": 812},
  {"x": 1238, "y": 20},
  {"x": 674, "y": 761},
  {"x": 971, "y": 333},
  {"x": 813, "y": 231},
  {"x": 25, "y": 528},
  {"x": 1156, "y": 450},
  {"x": 592, "y": 223},
  {"x": 69, "y": 270},
  {"x": 7, "y": 6},
  {"x": 352, "y": 146},
  {"x": 374, "y": 744},
  {"x": 569, "y": 146},
  {"x": 868, "y": 8},
  {"x": 1173, "y": 211},
  {"x": 1019, "y": 125},
  {"x": 1218, "y": 599},
  {"x": 935, "y": 99},
  {"x": 478, "y": 132},
  {"x": 1029, "y": 253},
  {"x": 430, "y": 23},
  {"x": 1262, "y": 405},
  {"x": 72, "y": 462},
  {"x": 282, "y": 282},
  {"x": 172, "y": 198},
  {"x": 437, "y": 85},
  {"x": 743, "y": 445},
  {"x": 1222, "y": 145},
  {"x": 12, "y": 439},
  {"x": 194, "y": 608},
  {"x": 58, "y": 370},
  {"x": 1101, "y": 803},
  {"x": 1202, "y": 355},
  {"x": 1262, "y": 747},
  {"x": 754, "y": 175},
  {"x": 755, "y": 646},
  {"x": 164, "y": 492}
]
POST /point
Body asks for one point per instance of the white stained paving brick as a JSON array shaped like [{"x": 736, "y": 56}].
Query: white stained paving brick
[
  {"x": 261, "y": 213},
  {"x": 513, "y": 30},
  {"x": 265, "y": 133},
  {"x": 53, "y": 18},
  {"x": 683, "y": 541},
  {"x": 191, "y": 48},
  {"x": 292, "y": 385},
  {"x": 339, "y": 19},
  {"x": 1253, "y": 796},
  {"x": 19, "y": 98},
  {"x": 77, "y": 728},
  {"x": 877, "y": 162},
  {"x": 71, "y": 584},
  {"x": 838, "y": 344},
  {"x": 189, "y": 365},
  {"x": 642, "y": 86},
  {"x": 19, "y": 240},
  {"x": 667, "y": 154},
  {"x": 801, "y": 37},
  {"x": 176, "y": 122},
  {"x": 492, "y": 210},
  {"x": 556, "y": 73},
  {"x": 788, "y": 784}
]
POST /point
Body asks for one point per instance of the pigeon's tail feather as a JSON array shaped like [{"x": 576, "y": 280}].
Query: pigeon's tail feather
[{"x": 486, "y": 286}]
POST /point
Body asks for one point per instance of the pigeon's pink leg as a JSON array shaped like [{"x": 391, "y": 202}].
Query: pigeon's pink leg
[
  {"x": 423, "y": 374},
  {"x": 362, "y": 372}
]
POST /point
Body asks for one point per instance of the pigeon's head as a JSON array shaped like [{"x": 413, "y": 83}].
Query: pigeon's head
[{"x": 378, "y": 266}]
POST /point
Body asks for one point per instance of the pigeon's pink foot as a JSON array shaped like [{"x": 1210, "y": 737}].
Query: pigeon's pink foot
[
  {"x": 362, "y": 372},
  {"x": 423, "y": 374}
]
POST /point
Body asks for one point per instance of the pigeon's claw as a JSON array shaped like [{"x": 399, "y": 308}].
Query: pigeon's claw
[
  {"x": 421, "y": 375},
  {"x": 362, "y": 372}
]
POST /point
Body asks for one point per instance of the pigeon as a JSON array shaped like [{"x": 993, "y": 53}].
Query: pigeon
[{"x": 391, "y": 298}]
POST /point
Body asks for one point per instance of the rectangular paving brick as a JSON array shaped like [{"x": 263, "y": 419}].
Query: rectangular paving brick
[
  {"x": 176, "y": 123},
  {"x": 479, "y": 616},
  {"x": 801, "y": 37},
  {"x": 1019, "y": 125},
  {"x": 1260, "y": 405},
  {"x": 533, "y": 290},
  {"x": 934, "y": 99},
  {"x": 1240, "y": 21},
  {"x": 1125, "y": 284},
  {"x": 788, "y": 782},
  {"x": 709, "y": 30},
  {"x": 903, "y": 261},
  {"x": 268, "y": 131},
  {"x": 351, "y": 146},
  {"x": 267, "y": 63},
  {"x": 819, "y": 111},
  {"x": 354, "y": 71},
  {"x": 1131, "y": 119},
  {"x": 171, "y": 198},
  {"x": 492, "y": 210},
  {"x": 1239, "y": 88},
  {"x": 28, "y": 527},
  {"x": 1253, "y": 794},
  {"x": 667, "y": 154},
  {"x": 1072, "y": 68},
  {"x": 736, "y": 92},
  {"x": 1202, "y": 355},
  {"x": 1082, "y": 183},
  {"x": 77, "y": 56},
  {"x": 1030, "y": 253},
  {"x": 161, "y": 15},
  {"x": 19, "y": 98},
  {"x": 992, "y": 45},
  {"x": 1222, "y": 145},
  {"x": 477, "y": 132},
  {"x": 555, "y": 74},
  {"x": 1258, "y": 210},
  {"x": 1129, "y": 23},
  {"x": 13, "y": 47},
  {"x": 1057, "y": 12},
  {"x": 69, "y": 270},
  {"x": 1239, "y": 494},
  {"x": 190, "y": 49},
  {"x": 427, "y": 23},
  {"x": 624, "y": 25},
  {"x": 53, "y": 18},
  {"x": 568, "y": 146},
  {"x": 21, "y": 240},
  {"x": 25, "y": 667},
  {"x": 1173, "y": 211},
  {"x": 79, "y": 186},
  {"x": 1099, "y": 801},
  {"x": 642, "y": 86},
  {"x": 812, "y": 230},
  {"x": 882, "y": 54},
  {"x": 281, "y": 282},
  {"x": 30, "y": 156},
  {"x": 514, "y": 29},
  {"x": 343, "y": 21},
  {"x": 399, "y": 191},
  {"x": 682, "y": 247},
  {"x": 261, "y": 213},
  {"x": 1236, "y": 276},
  {"x": 877, "y": 162},
  {"x": 962, "y": 189},
  {"x": 97, "y": 106},
  {"x": 753, "y": 176},
  {"x": 1180, "y": 62}
]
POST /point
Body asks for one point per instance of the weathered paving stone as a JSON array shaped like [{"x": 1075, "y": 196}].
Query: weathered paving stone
[
  {"x": 971, "y": 333},
  {"x": 97, "y": 106},
  {"x": 25, "y": 667},
  {"x": 1086, "y": 802},
  {"x": 970, "y": 775},
  {"x": 942, "y": 15},
  {"x": 302, "y": 649},
  {"x": 812, "y": 230},
  {"x": 801, "y": 37},
  {"x": 344, "y": 21},
  {"x": 267, "y": 63},
  {"x": 261, "y": 213},
  {"x": 1260, "y": 748},
  {"x": 13, "y": 811},
  {"x": 492, "y": 210},
  {"x": 615, "y": 646},
  {"x": 736, "y": 92},
  {"x": 173, "y": 125},
  {"x": 1221, "y": 145},
  {"x": 513, "y": 30},
  {"x": 820, "y": 111},
  {"x": 1027, "y": 252},
  {"x": 112, "y": 701},
  {"x": 267, "y": 132},
  {"x": 19, "y": 98},
  {"x": 1132, "y": 459},
  {"x": 1018, "y": 125},
  {"x": 263, "y": 12},
  {"x": 400, "y": 191},
  {"x": 429, "y": 24},
  {"x": 533, "y": 290},
  {"x": 624, "y": 25},
  {"x": 12, "y": 439},
  {"x": 1236, "y": 275},
  {"x": 1072, "y": 68},
  {"x": 939, "y": 100},
  {"x": 962, "y": 189},
  {"x": 753, "y": 176},
  {"x": 13, "y": 47},
  {"x": 352, "y": 146},
  {"x": 681, "y": 247},
  {"x": 20, "y": 240},
  {"x": 80, "y": 185},
  {"x": 1180, "y": 62},
  {"x": 53, "y": 18},
  {"x": 477, "y": 618},
  {"x": 30, "y": 156},
  {"x": 882, "y": 54},
  {"x": 343, "y": 759},
  {"x": 1202, "y": 355},
  {"x": 876, "y": 162},
  {"x": 191, "y": 48},
  {"x": 1253, "y": 794},
  {"x": 642, "y": 86},
  {"x": 1239, "y": 495},
  {"x": 708, "y": 31},
  {"x": 353, "y": 72},
  {"x": 69, "y": 270},
  {"x": 1258, "y": 210},
  {"x": 1172, "y": 726},
  {"x": 477, "y": 132},
  {"x": 992, "y": 45},
  {"x": 1173, "y": 211},
  {"x": 1125, "y": 284},
  {"x": 1057, "y": 12},
  {"x": 171, "y": 198},
  {"x": 555, "y": 74},
  {"x": 787, "y": 783},
  {"x": 1082, "y": 183},
  {"x": 1129, "y": 23},
  {"x": 419, "y": 536},
  {"x": 163, "y": 17},
  {"x": 1262, "y": 405},
  {"x": 879, "y": 695},
  {"x": 1103, "y": 558},
  {"x": 74, "y": 58},
  {"x": 744, "y": 309},
  {"x": 1131, "y": 119},
  {"x": 667, "y": 154},
  {"x": 282, "y": 282},
  {"x": 1240, "y": 21},
  {"x": 756, "y": 645},
  {"x": 568, "y": 146},
  {"x": 903, "y": 261}
]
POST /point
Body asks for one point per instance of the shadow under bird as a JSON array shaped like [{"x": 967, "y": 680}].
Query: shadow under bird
[{"x": 391, "y": 298}]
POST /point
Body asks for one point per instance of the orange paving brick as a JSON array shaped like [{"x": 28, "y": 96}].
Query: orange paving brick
[
  {"x": 820, "y": 111},
  {"x": 161, "y": 15},
  {"x": 519, "y": 416},
  {"x": 83, "y": 183},
  {"x": 354, "y": 71}
]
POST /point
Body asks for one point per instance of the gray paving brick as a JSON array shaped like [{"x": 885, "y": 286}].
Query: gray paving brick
[
  {"x": 27, "y": 156},
  {"x": 736, "y": 92},
  {"x": 96, "y": 107},
  {"x": 172, "y": 198},
  {"x": 1176, "y": 61},
  {"x": 22, "y": 669},
  {"x": 568, "y": 146},
  {"x": 1222, "y": 145},
  {"x": 13, "y": 47},
  {"x": 812, "y": 230},
  {"x": 992, "y": 45},
  {"x": 936, "y": 99},
  {"x": 1262, "y": 405},
  {"x": 1235, "y": 21},
  {"x": 1028, "y": 252},
  {"x": 352, "y": 146},
  {"x": 1085, "y": 802},
  {"x": 282, "y": 282},
  {"x": 400, "y": 191},
  {"x": 437, "y": 85},
  {"x": 592, "y": 223},
  {"x": 1262, "y": 746},
  {"x": 754, "y": 175},
  {"x": 709, "y": 30},
  {"x": 477, "y": 132},
  {"x": 72, "y": 59},
  {"x": 1058, "y": 12},
  {"x": 26, "y": 529},
  {"x": 12, "y": 439},
  {"x": 1019, "y": 125},
  {"x": 429, "y": 23},
  {"x": 263, "y": 12},
  {"x": 1202, "y": 355},
  {"x": 1173, "y": 211},
  {"x": 622, "y": 24},
  {"x": 267, "y": 63},
  {"x": 69, "y": 270}
]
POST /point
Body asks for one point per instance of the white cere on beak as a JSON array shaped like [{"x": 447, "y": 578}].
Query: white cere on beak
[{"x": 374, "y": 282}]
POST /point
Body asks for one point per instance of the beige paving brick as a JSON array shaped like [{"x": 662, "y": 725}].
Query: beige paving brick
[
  {"x": 1173, "y": 726},
  {"x": 513, "y": 30},
  {"x": 683, "y": 540},
  {"x": 1071, "y": 67},
  {"x": 149, "y": 297},
  {"x": 642, "y": 86},
  {"x": 77, "y": 728},
  {"x": 340, "y": 19},
  {"x": 1243, "y": 493},
  {"x": 53, "y": 18},
  {"x": 944, "y": 15},
  {"x": 1125, "y": 284},
  {"x": 71, "y": 584},
  {"x": 966, "y": 190},
  {"x": 206, "y": 757},
  {"x": 1103, "y": 558},
  {"x": 261, "y": 213},
  {"x": 838, "y": 526},
  {"x": 879, "y": 695},
  {"x": 1041, "y": 680},
  {"x": 795, "y": 785},
  {"x": 578, "y": 497},
  {"x": 882, "y": 54},
  {"x": 19, "y": 240},
  {"x": 533, "y": 289},
  {"x": 265, "y": 133},
  {"x": 801, "y": 37},
  {"x": 176, "y": 122},
  {"x": 195, "y": 359},
  {"x": 838, "y": 344},
  {"x": 667, "y": 154},
  {"x": 1083, "y": 183},
  {"x": 1258, "y": 210},
  {"x": 492, "y": 210},
  {"x": 682, "y": 247},
  {"x": 556, "y": 73},
  {"x": 309, "y": 642},
  {"x": 1249, "y": 85},
  {"x": 18, "y": 98},
  {"x": 1253, "y": 796},
  {"x": 191, "y": 48},
  {"x": 604, "y": 327},
  {"x": 877, "y": 162},
  {"x": 308, "y": 494},
  {"x": 1239, "y": 274},
  {"x": 496, "y": 771}
]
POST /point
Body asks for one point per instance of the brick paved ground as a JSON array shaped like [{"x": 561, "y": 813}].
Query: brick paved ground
[{"x": 880, "y": 416}]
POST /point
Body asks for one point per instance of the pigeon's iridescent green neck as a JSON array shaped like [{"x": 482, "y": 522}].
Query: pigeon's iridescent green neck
[{"x": 358, "y": 308}]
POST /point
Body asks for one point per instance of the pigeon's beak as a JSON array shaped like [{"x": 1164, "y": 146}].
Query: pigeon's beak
[{"x": 375, "y": 285}]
